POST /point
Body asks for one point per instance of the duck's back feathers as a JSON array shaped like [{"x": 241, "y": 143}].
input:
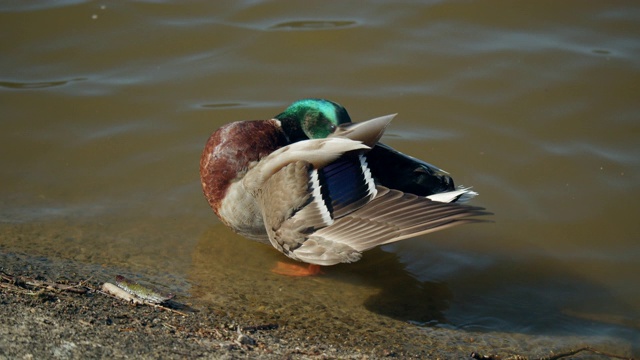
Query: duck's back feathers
[{"x": 396, "y": 170}]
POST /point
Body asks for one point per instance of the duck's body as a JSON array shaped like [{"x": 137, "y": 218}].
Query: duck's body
[{"x": 306, "y": 186}]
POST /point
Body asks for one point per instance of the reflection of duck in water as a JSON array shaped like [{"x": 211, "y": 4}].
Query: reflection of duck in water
[
  {"x": 321, "y": 189},
  {"x": 379, "y": 283}
]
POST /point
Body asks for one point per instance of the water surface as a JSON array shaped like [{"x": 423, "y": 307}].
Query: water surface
[{"x": 105, "y": 108}]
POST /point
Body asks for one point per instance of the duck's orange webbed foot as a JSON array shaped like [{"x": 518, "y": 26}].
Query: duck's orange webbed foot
[{"x": 289, "y": 269}]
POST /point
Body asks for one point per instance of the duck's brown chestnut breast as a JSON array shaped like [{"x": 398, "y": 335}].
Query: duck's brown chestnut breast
[{"x": 229, "y": 151}]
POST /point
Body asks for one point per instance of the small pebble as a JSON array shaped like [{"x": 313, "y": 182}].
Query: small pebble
[{"x": 246, "y": 340}]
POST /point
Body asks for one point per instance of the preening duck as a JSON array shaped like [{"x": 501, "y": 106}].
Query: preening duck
[{"x": 321, "y": 189}]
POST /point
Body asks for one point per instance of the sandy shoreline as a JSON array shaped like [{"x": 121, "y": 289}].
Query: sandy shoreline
[{"x": 45, "y": 323}]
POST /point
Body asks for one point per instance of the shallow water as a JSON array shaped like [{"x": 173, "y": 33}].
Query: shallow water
[{"x": 105, "y": 108}]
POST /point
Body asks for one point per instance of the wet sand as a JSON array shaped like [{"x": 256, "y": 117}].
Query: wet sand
[{"x": 46, "y": 323}]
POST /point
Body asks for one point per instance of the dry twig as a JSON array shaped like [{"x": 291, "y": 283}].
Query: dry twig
[{"x": 561, "y": 355}]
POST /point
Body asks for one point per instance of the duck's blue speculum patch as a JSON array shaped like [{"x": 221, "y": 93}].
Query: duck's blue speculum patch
[{"x": 344, "y": 183}]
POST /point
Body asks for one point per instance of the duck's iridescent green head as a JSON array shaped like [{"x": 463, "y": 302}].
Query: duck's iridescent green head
[{"x": 312, "y": 119}]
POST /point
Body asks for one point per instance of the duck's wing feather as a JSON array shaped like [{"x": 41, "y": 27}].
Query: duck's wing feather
[
  {"x": 393, "y": 216},
  {"x": 317, "y": 152},
  {"x": 367, "y": 132},
  {"x": 320, "y": 203},
  {"x": 330, "y": 215},
  {"x": 285, "y": 194},
  {"x": 299, "y": 200},
  {"x": 287, "y": 185}
]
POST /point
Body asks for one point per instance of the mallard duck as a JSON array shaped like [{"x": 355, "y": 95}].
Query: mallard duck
[{"x": 321, "y": 189}]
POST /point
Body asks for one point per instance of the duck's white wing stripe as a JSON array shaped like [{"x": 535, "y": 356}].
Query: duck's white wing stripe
[
  {"x": 317, "y": 201},
  {"x": 460, "y": 195},
  {"x": 367, "y": 176}
]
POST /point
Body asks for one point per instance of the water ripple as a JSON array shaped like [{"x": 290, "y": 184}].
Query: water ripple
[
  {"x": 314, "y": 25},
  {"x": 37, "y": 84},
  {"x": 577, "y": 148}
]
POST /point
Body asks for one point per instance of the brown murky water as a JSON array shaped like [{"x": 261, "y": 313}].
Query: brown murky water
[{"x": 105, "y": 106}]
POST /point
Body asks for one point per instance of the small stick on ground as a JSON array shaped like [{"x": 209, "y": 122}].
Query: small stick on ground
[
  {"x": 557, "y": 356},
  {"x": 33, "y": 284}
]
